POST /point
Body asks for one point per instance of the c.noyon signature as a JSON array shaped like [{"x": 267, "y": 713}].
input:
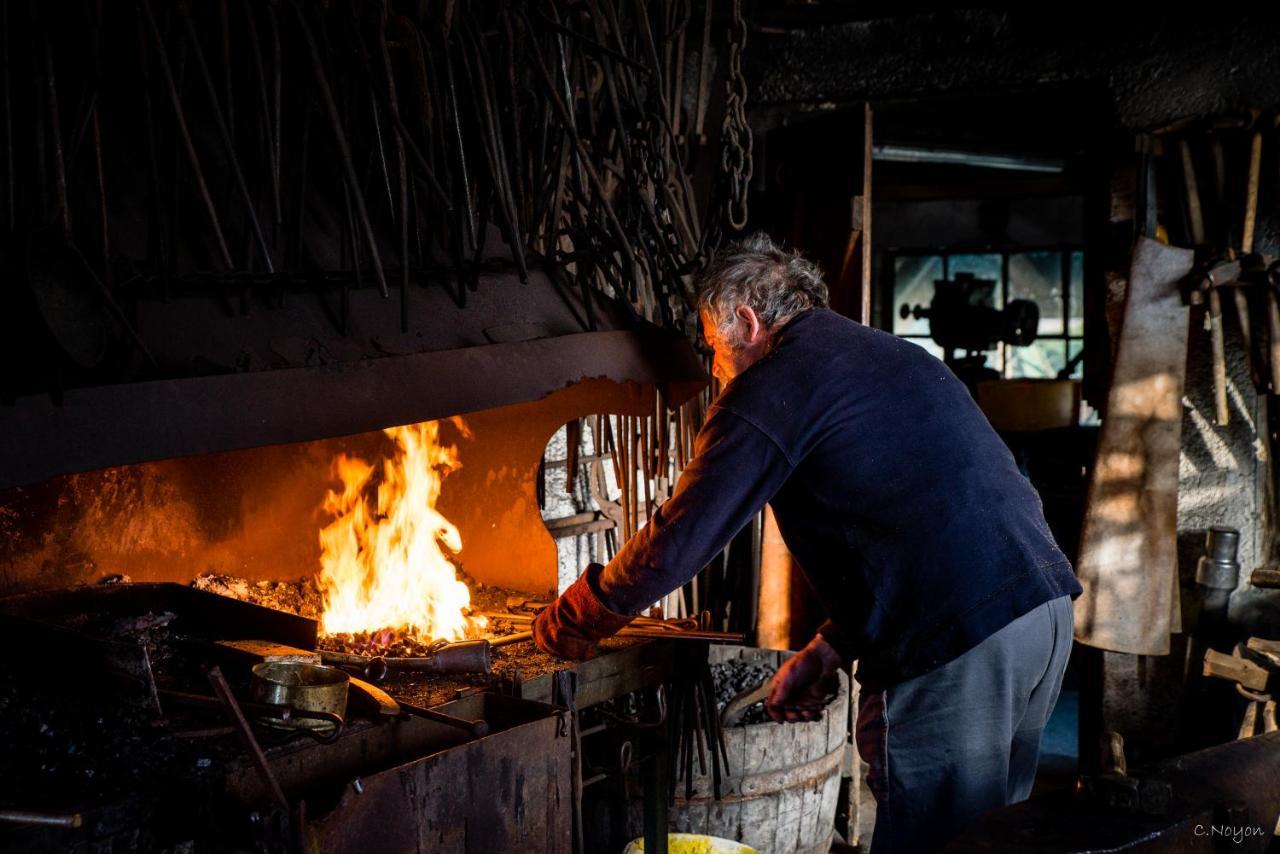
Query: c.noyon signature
[{"x": 1229, "y": 832}]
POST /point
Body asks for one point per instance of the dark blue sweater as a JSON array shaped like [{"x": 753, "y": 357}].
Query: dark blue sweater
[{"x": 900, "y": 502}]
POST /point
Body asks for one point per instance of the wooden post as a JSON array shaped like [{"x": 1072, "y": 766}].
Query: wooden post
[
  {"x": 773, "y": 629},
  {"x": 864, "y": 314}
]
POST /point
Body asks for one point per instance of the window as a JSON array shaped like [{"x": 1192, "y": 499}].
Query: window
[{"x": 1051, "y": 278}]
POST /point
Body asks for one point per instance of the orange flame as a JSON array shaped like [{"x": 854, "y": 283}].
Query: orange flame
[{"x": 392, "y": 568}]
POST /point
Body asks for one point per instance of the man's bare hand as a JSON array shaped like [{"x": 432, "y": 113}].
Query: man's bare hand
[{"x": 804, "y": 682}]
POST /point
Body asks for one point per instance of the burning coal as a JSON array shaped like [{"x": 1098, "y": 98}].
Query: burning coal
[{"x": 388, "y": 568}]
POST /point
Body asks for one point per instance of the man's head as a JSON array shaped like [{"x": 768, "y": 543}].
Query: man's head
[{"x": 750, "y": 290}]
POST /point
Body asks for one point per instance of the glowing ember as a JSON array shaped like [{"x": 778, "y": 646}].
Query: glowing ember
[{"x": 388, "y": 572}]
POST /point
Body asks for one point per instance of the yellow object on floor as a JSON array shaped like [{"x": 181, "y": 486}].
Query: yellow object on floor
[{"x": 694, "y": 843}]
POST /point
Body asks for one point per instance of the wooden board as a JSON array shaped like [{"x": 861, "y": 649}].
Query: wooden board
[{"x": 1128, "y": 550}]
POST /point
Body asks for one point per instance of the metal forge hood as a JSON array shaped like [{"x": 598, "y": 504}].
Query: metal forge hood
[{"x": 224, "y": 380}]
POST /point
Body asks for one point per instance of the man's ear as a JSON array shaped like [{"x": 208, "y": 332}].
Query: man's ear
[{"x": 750, "y": 324}]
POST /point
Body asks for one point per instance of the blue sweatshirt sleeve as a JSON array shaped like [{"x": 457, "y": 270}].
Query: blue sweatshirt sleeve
[{"x": 735, "y": 470}]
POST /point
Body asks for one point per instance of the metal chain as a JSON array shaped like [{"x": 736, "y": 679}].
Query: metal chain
[{"x": 736, "y": 141}]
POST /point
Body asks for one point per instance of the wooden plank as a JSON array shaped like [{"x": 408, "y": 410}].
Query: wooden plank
[{"x": 1128, "y": 550}]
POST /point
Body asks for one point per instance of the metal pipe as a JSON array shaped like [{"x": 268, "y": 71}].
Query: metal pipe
[{"x": 43, "y": 819}]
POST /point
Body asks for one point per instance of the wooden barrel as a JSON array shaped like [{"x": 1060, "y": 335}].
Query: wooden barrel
[{"x": 781, "y": 791}]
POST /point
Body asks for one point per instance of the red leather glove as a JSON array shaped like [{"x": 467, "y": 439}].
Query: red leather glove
[
  {"x": 571, "y": 626},
  {"x": 804, "y": 682}
]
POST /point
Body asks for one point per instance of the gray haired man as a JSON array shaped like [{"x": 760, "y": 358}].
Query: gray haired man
[{"x": 927, "y": 547}]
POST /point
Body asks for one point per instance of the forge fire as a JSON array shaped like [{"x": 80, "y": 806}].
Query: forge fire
[{"x": 389, "y": 569}]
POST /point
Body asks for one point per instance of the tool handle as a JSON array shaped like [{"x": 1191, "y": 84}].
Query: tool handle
[
  {"x": 1266, "y": 577},
  {"x": 477, "y": 728},
  {"x": 1219, "y": 359},
  {"x": 744, "y": 701}
]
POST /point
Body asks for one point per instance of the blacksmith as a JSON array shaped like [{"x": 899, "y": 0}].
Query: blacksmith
[{"x": 924, "y": 542}]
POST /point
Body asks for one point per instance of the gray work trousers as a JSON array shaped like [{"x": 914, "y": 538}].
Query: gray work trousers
[{"x": 945, "y": 747}]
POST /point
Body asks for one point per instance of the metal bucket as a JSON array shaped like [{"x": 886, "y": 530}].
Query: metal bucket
[
  {"x": 693, "y": 843},
  {"x": 305, "y": 687}
]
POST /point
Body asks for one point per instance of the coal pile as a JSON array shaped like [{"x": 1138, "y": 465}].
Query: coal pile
[{"x": 731, "y": 678}]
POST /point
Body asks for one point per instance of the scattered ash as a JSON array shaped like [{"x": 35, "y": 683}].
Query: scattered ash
[
  {"x": 301, "y": 597},
  {"x": 62, "y": 750},
  {"x": 733, "y": 677},
  {"x": 93, "y": 735}
]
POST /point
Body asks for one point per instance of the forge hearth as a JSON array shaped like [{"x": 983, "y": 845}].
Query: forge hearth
[
  {"x": 119, "y": 719},
  {"x": 109, "y": 742}
]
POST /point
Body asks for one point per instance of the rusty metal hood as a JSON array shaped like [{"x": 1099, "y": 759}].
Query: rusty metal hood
[{"x": 224, "y": 373}]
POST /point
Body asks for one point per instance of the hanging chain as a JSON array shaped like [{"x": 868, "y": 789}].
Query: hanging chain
[{"x": 735, "y": 156}]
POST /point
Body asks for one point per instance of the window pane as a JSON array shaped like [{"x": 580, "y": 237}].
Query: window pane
[
  {"x": 913, "y": 278},
  {"x": 1073, "y": 348},
  {"x": 1040, "y": 360},
  {"x": 928, "y": 344},
  {"x": 982, "y": 267},
  {"x": 1075, "y": 324},
  {"x": 1037, "y": 276}
]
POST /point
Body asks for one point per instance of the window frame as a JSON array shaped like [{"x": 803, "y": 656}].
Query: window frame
[{"x": 1065, "y": 253}]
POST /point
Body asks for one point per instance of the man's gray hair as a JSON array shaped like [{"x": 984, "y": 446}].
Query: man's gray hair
[{"x": 756, "y": 272}]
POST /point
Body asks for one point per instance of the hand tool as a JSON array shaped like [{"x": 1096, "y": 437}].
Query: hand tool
[
  {"x": 738, "y": 706},
  {"x": 477, "y": 728}
]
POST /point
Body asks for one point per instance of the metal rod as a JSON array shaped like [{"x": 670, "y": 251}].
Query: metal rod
[
  {"x": 224, "y": 130},
  {"x": 102, "y": 200},
  {"x": 639, "y": 629},
  {"x": 276, "y": 81},
  {"x": 264, "y": 104},
  {"x": 225, "y": 20},
  {"x": 508, "y": 640},
  {"x": 55, "y": 128},
  {"x": 43, "y": 819},
  {"x": 468, "y": 209},
  {"x": 477, "y": 728},
  {"x": 403, "y": 171},
  {"x": 340, "y": 137},
  {"x": 8, "y": 117},
  {"x": 592, "y": 177},
  {"x": 114, "y": 306},
  {"x": 206, "y": 732},
  {"x": 176, "y": 102},
  {"x": 223, "y": 690}
]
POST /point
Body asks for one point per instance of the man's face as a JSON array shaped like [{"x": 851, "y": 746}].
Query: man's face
[{"x": 737, "y": 345}]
